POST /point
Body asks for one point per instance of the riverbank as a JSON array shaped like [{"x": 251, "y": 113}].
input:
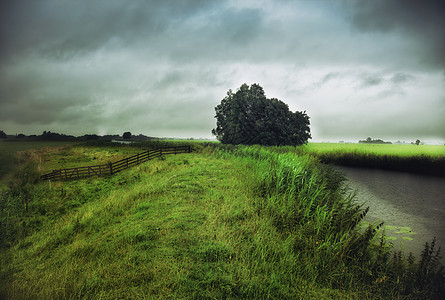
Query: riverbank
[{"x": 223, "y": 222}]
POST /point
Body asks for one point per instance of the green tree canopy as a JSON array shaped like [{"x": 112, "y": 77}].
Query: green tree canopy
[
  {"x": 248, "y": 117},
  {"x": 127, "y": 135}
]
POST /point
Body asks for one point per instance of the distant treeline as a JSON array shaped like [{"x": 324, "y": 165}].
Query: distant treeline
[
  {"x": 371, "y": 141},
  {"x": 48, "y": 135}
]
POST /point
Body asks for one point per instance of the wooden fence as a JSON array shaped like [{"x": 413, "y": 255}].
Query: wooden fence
[{"x": 112, "y": 167}]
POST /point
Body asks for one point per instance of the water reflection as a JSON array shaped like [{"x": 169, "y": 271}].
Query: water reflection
[{"x": 411, "y": 206}]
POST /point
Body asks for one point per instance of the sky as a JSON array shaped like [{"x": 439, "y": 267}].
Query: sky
[{"x": 358, "y": 68}]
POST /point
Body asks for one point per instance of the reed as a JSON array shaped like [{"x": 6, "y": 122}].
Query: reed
[{"x": 310, "y": 204}]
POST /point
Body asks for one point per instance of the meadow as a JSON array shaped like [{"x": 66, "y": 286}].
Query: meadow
[
  {"x": 403, "y": 150},
  {"x": 222, "y": 222},
  {"x": 422, "y": 159},
  {"x": 9, "y": 148}
]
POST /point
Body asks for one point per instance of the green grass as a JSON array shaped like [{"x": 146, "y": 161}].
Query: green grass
[
  {"x": 9, "y": 148},
  {"x": 378, "y": 149},
  {"x": 223, "y": 222},
  {"x": 422, "y": 159}
]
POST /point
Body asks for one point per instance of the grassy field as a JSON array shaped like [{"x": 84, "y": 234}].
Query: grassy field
[
  {"x": 422, "y": 159},
  {"x": 378, "y": 149},
  {"x": 67, "y": 154},
  {"x": 9, "y": 149},
  {"x": 223, "y": 222}
]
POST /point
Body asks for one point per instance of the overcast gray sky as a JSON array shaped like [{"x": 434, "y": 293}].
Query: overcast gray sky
[{"x": 358, "y": 68}]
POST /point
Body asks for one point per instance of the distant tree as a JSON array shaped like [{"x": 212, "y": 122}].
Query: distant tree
[
  {"x": 48, "y": 135},
  {"x": 371, "y": 141},
  {"x": 248, "y": 117},
  {"x": 20, "y": 136},
  {"x": 417, "y": 142},
  {"x": 127, "y": 135},
  {"x": 3, "y": 135},
  {"x": 91, "y": 136}
]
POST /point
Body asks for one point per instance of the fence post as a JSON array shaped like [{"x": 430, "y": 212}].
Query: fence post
[{"x": 58, "y": 174}]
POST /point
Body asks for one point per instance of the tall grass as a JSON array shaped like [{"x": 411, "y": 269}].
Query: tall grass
[
  {"x": 226, "y": 222},
  {"x": 310, "y": 204},
  {"x": 9, "y": 148}
]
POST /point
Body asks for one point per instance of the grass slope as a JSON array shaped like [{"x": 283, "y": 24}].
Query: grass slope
[{"x": 221, "y": 223}]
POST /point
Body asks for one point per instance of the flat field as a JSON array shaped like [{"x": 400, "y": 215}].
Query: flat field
[
  {"x": 379, "y": 149},
  {"x": 9, "y": 148},
  {"x": 422, "y": 159}
]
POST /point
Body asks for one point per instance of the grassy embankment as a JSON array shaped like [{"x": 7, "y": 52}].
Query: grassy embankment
[{"x": 223, "y": 222}]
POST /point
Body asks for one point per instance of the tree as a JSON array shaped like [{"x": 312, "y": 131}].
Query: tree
[
  {"x": 127, "y": 135},
  {"x": 3, "y": 135},
  {"x": 248, "y": 117},
  {"x": 417, "y": 142}
]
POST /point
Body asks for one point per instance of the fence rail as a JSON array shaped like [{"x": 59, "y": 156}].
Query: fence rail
[{"x": 113, "y": 167}]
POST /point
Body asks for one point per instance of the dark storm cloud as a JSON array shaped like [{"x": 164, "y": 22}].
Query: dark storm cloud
[
  {"x": 179, "y": 29},
  {"x": 84, "y": 25},
  {"x": 160, "y": 67},
  {"x": 423, "y": 21}
]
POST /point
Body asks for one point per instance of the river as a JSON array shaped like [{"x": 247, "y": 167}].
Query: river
[{"x": 411, "y": 206}]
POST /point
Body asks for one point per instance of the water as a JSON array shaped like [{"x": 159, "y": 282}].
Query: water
[
  {"x": 122, "y": 142},
  {"x": 411, "y": 206}
]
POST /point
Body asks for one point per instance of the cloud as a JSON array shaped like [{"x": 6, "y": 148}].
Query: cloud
[
  {"x": 369, "y": 80},
  {"x": 66, "y": 29},
  {"x": 160, "y": 67},
  {"x": 401, "y": 78},
  {"x": 421, "y": 21},
  {"x": 330, "y": 76}
]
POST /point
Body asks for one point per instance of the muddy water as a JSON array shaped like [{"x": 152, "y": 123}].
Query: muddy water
[{"x": 411, "y": 206}]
